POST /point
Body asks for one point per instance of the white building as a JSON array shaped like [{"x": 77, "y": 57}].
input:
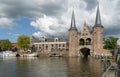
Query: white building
[{"x": 49, "y": 44}]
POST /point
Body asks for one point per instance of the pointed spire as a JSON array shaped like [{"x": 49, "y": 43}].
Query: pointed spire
[
  {"x": 98, "y": 18},
  {"x": 85, "y": 24},
  {"x": 73, "y": 24}
]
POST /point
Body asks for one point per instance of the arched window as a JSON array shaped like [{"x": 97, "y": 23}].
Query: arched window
[
  {"x": 81, "y": 42},
  {"x": 88, "y": 41},
  {"x": 56, "y": 39}
]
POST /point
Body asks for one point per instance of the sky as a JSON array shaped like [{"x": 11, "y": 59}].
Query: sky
[{"x": 40, "y": 18}]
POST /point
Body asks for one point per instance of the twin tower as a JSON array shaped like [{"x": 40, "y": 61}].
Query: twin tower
[{"x": 89, "y": 41}]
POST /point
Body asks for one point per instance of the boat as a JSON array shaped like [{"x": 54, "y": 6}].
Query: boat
[
  {"x": 55, "y": 55},
  {"x": 7, "y": 54},
  {"x": 32, "y": 55}
]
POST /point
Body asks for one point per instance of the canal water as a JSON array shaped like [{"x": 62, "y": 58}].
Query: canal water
[{"x": 50, "y": 67}]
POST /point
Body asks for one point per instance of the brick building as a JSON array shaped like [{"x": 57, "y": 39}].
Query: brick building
[{"x": 88, "y": 41}]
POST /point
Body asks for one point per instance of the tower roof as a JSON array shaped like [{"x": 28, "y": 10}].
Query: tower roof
[
  {"x": 98, "y": 18},
  {"x": 73, "y": 24},
  {"x": 85, "y": 24}
]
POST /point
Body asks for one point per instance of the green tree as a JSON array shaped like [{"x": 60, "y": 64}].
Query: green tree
[
  {"x": 110, "y": 42},
  {"x": 23, "y": 42},
  {"x": 5, "y": 44}
]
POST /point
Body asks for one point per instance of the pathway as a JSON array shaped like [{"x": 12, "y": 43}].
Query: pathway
[{"x": 111, "y": 71}]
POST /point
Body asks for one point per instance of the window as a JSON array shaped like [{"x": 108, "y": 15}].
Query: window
[
  {"x": 56, "y": 39},
  {"x": 52, "y": 45},
  {"x": 81, "y": 42},
  {"x": 56, "y": 46},
  {"x": 59, "y": 45},
  {"x": 39, "y": 47},
  {"x": 88, "y": 41},
  {"x": 63, "y": 45},
  {"x": 84, "y": 29},
  {"x": 46, "y": 47}
]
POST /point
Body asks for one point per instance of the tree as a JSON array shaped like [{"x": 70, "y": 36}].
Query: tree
[
  {"x": 23, "y": 42},
  {"x": 110, "y": 42},
  {"x": 5, "y": 45}
]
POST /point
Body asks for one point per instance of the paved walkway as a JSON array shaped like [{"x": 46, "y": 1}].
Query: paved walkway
[{"x": 112, "y": 72}]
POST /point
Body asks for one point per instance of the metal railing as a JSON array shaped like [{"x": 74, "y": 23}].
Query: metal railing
[{"x": 105, "y": 73}]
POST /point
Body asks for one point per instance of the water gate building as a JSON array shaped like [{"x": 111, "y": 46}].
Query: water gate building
[{"x": 87, "y": 41}]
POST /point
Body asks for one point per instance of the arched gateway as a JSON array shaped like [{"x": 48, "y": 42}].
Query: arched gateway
[
  {"x": 85, "y": 51},
  {"x": 88, "y": 40}
]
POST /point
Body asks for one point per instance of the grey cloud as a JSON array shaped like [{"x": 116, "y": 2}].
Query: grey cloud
[
  {"x": 16, "y": 8},
  {"x": 114, "y": 30},
  {"x": 51, "y": 9},
  {"x": 91, "y": 4},
  {"x": 118, "y": 5},
  {"x": 51, "y": 27}
]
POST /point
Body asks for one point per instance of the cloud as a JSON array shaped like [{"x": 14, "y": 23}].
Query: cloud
[
  {"x": 38, "y": 35},
  {"x": 53, "y": 16},
  {"x": 6, "y": 23},
  {"x": 91, "y": 4},
  {"x": 85, "y": 10},
  {"x": 30, "y": 9},
  {"x": 49, "y": 25}
]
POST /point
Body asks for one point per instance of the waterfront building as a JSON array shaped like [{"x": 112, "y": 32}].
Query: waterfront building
[
  {"x": 49, "y": 44},
  {"x": 88, "y": 41}
]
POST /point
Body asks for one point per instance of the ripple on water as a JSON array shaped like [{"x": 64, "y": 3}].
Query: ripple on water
[{"x": 50, "y": 67}]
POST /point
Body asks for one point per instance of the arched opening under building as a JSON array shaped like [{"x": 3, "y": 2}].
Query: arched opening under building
[
  {"x": 85, "y": 51},
  {"x": 81, "y": 42},
  {"x": 88, "y": 41}
]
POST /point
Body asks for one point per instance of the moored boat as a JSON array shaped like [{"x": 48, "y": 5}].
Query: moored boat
[
  {"x": 55, "y": 55},
  {"x": 32, "y": 55},
  {"x": 7, "y": 54}
]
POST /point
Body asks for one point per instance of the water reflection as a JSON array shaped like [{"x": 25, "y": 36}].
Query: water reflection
[
  {"x": 84, "y": 67},
  {"x": 50, "y": 67}
]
